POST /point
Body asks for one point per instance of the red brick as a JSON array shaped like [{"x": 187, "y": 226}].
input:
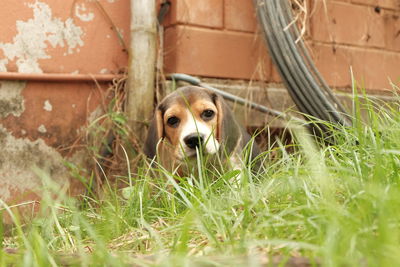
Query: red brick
[
  {"x": 392, "y": 30},
  {"x": 206, "y": 13},
  {"x": 391, "y": 4},
  {"x": 275, "y": 77},
  {"x": 372, "y": 68},
  {"x": 348, "y": 24},
  {"x": 213, "y": 53},
  {"x": 240, "y": 15},
  {"x": 392, "y": 67}
]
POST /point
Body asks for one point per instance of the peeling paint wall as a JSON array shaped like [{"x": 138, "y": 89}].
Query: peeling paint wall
[
  {"x": 34, "y": 35},
  {"x": 11, "y": 99},
  {"x": 41, "y": 123},
  {"x": 69, "y": 36},
  {"x": 18, "y": 157},
  {"x": 38, "y": 128}
]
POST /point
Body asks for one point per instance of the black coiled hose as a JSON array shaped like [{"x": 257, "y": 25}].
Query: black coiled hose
[{"x": 307, "y": 88}]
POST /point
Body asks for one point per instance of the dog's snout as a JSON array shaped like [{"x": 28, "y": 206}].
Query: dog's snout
[{"x": 193, "y": 140}]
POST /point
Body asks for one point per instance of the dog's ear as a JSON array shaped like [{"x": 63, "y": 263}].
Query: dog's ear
[
  {"x": 228, "y": 130},
  {"x": 154, "y": 134}
]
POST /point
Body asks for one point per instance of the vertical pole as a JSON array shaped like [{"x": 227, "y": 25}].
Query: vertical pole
[{"x": 141, "y": 68}]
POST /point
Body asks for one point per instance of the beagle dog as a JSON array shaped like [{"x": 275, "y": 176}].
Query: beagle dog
[{"x": 194, "y": 120}]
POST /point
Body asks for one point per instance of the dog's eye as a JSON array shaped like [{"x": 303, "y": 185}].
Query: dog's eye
[
  {"x": 207, "y": 114},
  {"x": 173, "y": 121}
]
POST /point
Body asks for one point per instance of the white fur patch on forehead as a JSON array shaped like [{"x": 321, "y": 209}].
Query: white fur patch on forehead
[{"x": 194, "y": 126}]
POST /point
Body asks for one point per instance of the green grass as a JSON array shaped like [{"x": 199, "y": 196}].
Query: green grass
[{"x": 335, "y": 205}]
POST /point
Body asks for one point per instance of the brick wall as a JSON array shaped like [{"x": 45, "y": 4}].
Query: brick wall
[
  {"x": 218, "y": 38},
  {"x": 215, "y": 38},
  {"x": 364, "y": 34}
]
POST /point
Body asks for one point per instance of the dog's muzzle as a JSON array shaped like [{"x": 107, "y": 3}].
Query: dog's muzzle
[
  {"x": 194, "y": 141},
  {"x": 196, "y": 136}
]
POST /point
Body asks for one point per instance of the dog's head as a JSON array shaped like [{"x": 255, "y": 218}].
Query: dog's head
[{"x": 188, "y": 119}]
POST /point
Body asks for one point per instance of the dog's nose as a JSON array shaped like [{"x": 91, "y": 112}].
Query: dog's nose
[{"x": 193, "y": 140}]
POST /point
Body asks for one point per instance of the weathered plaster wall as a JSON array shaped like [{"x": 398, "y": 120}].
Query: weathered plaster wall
[
  {"x": 39, "y": 127},
  {"x": 18, "y": 158},
  {"x": 68, "y": 36},
  {"x": 41, "y": 121},
  {"x": 11, "y": 99}
]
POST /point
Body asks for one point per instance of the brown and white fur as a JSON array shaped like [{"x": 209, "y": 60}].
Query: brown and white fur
[{"x": 189, "y": 116}]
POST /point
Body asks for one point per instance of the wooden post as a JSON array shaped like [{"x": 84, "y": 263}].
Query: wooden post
[{"x": 141, "y": 69}]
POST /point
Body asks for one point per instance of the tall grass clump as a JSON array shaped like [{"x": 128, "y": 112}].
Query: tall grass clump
[{"x": 317, "y": 203}]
